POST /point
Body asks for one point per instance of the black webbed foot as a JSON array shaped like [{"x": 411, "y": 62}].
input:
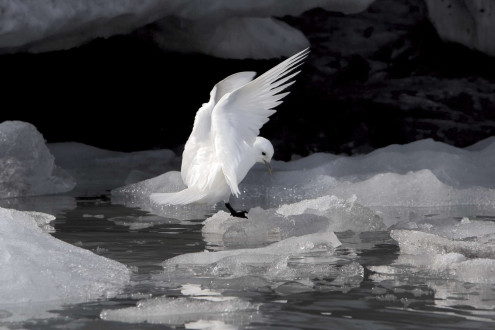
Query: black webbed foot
[{"x": 234, "y": 213}]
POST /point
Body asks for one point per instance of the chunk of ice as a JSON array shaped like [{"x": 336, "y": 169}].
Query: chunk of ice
[
  {"x": 342, "y": 214},
  {"x": 432, "y": 256},
  {"x": 27, "y": 167},
  {"x": 97, "y": 170},
  {"x": 261, "y": 227},
  {"x": 38, "y": 268},
  {"x": 420, "y": 243},
  {"x": 177, "y": 311},
  {"x": 141, "y": 222},
  {"x": 270, "y": 266},
  {"x": 289, "y": 246},
  {"x": 305, "y": 217}
]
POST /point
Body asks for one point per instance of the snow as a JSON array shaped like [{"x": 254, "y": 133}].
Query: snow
[
  {"x": 62, "y": 25},
  {"x": 42, "y": 271},
  {"x": 468, "y": 22},
  {"x": 27, "y": 166}
]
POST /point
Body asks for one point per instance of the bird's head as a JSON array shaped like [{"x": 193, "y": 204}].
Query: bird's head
[{"x": 263, "y": 151}]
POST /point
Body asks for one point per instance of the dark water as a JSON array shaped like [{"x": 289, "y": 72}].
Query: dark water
[{"x": 100, "y": 226}]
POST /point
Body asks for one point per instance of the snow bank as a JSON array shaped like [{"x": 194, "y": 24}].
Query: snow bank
[
  {"x": 38, "y": 270},
  {"x": 468, "y": 22},
  {"x": 59, "y": 24},
  {"x": 27, "y": 167},
  {"x": 97, "y": 170}
]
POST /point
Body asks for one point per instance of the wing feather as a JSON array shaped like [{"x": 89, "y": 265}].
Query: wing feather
[
  {"x": 198, "y": 149},
  {"x": 239, "y": 115}
]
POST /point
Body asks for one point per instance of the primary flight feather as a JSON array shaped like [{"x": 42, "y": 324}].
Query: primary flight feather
[{"x": 224, "y": 143}]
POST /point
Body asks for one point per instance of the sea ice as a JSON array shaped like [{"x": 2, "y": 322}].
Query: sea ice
[
  {"x": 431, "y": 256},
  {"x": 395, "y": 181},
  {"x": 305, "y": 217},
  {"x": 420, "y": 174},
  {"x": 281, "y": 265},
  {"x": 262, "y": 227},
  {"x": 290, "y": 246},
  {"x": 342, "y": 214},
  {"x": 40, "y": 271},
  {"x": 178, "y": 311},
  {"x": 61, "y": 25},
  {"x": 141, "y": 222},
  {"x": 453, "y": 228},
  {"x": 97, "y": 170},
  {"x": 27, "y": 167},
  {"x": 451, "y": 280}
]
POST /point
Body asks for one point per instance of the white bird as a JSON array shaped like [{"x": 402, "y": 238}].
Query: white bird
[{"x": 224, "y": 143}]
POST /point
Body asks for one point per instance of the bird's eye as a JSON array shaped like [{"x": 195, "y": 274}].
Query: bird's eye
[{"x": 263, "y": 153}]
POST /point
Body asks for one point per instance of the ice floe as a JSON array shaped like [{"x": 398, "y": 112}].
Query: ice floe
[
  {"x": 297, "y": 219},
  {"x": 431, "y": 256},
  {"x": 97, "y": 170},
  {"x": 454, "y": 272},
  {"x": 39, "y": 272},
  {"x": 141, "y": 222},
  {"x": 395, "y": 183},
  {"x": 287, "y": 266},
  {"x": 199, "y": 306},
  {"x": 27, "y": 167},
  {"x": 179, "y": 311}
]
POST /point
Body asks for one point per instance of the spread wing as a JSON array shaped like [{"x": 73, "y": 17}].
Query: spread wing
[
  {"x": 239, "y": 115},
  {"x": 198, "y": 150}
]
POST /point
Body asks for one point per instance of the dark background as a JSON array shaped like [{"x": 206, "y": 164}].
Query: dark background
[{"x": 372, "y": 79}]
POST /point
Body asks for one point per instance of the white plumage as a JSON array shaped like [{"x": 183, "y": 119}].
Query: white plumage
[{"x": 224, "y": 143}]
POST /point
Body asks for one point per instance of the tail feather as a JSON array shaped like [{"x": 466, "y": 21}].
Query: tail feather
[{"x": 183, "y": 197}]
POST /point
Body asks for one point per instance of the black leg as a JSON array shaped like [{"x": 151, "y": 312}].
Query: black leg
[{"x": 241, "y": 214}]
